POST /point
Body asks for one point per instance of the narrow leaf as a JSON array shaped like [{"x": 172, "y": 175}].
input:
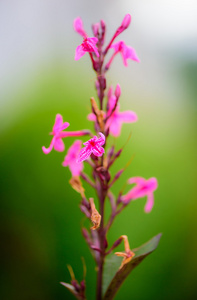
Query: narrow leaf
[{"x": 114, "y": 277}]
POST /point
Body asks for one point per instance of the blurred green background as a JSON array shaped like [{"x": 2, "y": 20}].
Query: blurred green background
[{"x": 40, "y": 215}]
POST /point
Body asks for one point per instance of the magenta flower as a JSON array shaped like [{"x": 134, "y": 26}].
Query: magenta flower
[
  {"x": 127, "y": 52},
  {"x": 92, "y": 146},
  {"x": 56, "y": 141},
  {"x": 88, "y": 45},
  {"x": 70, "y": 159},
  {"x": 143, "y": 188},
  {"x": 115, "y": 118},
  {"x": 58, "y": 134}
]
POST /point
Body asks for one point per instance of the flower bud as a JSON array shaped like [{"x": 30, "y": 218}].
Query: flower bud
[
  {"x": 126, "y": 21},
  {"x": 117, "y": 91}
]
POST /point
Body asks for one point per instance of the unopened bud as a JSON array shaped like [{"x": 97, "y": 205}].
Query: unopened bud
[
  {"x": 117, "y": 91},
  {"x": 95, "y": 29},
  {"x": 126, "y": 21},
  {"x": 103, "y": 26}
]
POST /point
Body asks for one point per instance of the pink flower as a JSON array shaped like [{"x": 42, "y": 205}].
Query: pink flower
[
  {"x": 116, "y": 118},
  {"x": 88, "y": 45},
  {"x": 143, "y": 188},
  {"x": 92, "y": 146},
  {"x": 70, "y": 159},
  {"x": 127, "y": 52},
  {"x": 58, "y": 134},
  {"x": 56, "y": 141}
]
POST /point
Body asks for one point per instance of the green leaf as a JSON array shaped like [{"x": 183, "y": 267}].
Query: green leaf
[{"x": 113, "y": 277}]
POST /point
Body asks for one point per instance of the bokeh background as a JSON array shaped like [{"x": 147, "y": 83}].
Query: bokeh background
[{"x": 40, "y": 216}]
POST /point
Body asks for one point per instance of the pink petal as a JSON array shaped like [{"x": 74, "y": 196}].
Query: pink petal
[
  {"x": 91, "y": 117},
  {"x": 76, "y": 168},
  {"x": 116, "y": 46},
  {"x": 78, "y": 27},
  {"x": 90, "y": 43},
  {"x": 84, "y": 154},
  {"x": 48, "y": 150},
  {"x": 149, "y": 203},
  {"x": 114, "y": 126},
  {"x": 101, "y": 140},
  {"x": 79, "y": 52},
  {"x": 124, "y": 59},
  {"x": 98, "y": 151},
  {"x": 58, "y": 123},
  {"x": 59, "y": 145},
  {"x": 130, "y": 53},
  {"x": 127, "y": 116},
  {"x": 65, "y": 125},
  {"x": 137, "y": 180},
  {"x": 70, "y": 159},
  {"x": 111, "y": 104}
]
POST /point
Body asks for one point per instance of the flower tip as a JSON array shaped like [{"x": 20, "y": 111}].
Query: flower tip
[
  {"x": 118, "y": 91},
  {"x": 126, "y": 21}
]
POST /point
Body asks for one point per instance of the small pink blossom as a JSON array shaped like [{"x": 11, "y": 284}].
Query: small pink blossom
[
  {"x": 56, "y": 141},
  {"x": 88, "y": 45},
  {"x": 78, "y": 27},
  {"x": 143, "y": 188},
  {"x": 58, "y": 134},
  {"x": 127, "y": 52},
  {"x": 70, "y": 159},
  {"x": 92, "y": 146},
  {"x": 115, "y": 118}
]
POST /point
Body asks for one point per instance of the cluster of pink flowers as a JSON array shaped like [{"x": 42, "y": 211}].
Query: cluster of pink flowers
[{"x": 96, "y": 151}]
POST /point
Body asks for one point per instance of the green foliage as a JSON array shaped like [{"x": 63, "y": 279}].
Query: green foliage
[{"x": 116, "y": 276}]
